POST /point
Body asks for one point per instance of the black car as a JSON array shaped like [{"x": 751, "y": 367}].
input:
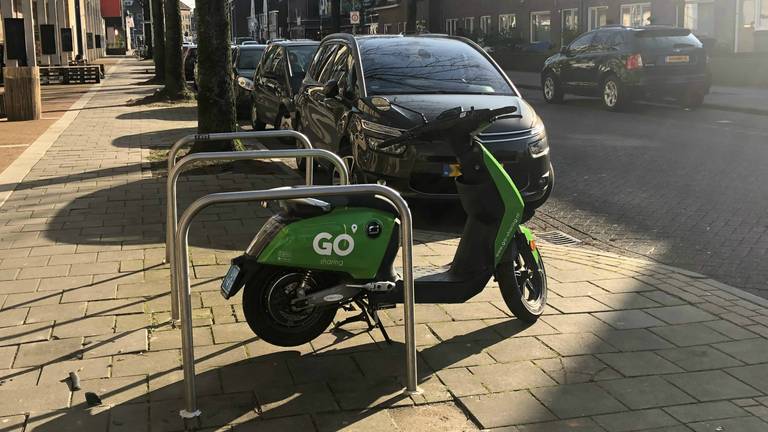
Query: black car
[
  {"x": 277, "y": 79},
  {"x": 619, "y": 64},
  {"x": 361, "y": 90},
  {"x": 189, "y": 53},
  {"x": 245, "y": 58}
]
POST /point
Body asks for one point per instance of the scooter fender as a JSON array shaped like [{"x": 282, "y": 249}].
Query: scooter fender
[{"x": 530, "y": 242}]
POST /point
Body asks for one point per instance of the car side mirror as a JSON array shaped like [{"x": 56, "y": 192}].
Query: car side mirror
[
  {"x": 245, "y": 83},
  {"x": 331, "y": 89}
]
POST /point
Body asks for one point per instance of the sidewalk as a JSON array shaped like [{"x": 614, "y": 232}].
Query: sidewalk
[
  {"x": 626, "y": 345},
  {"x": 740, "y": 99}
]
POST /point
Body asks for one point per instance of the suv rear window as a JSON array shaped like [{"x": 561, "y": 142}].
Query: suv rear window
[
  {"x": 421, "y": 65},
  {"x": 249, "y": 58},
  {"x": 667, "y": 39}
]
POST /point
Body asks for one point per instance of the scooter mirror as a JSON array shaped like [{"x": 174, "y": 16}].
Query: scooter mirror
[{"x": 245, "y": 83}]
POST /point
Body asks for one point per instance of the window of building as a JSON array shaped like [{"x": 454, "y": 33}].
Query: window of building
[
  {"x": 635, "y": 15},
  {"x": 570, "y": 25},
  {"x": 507, "y": 23},
  {"x": 762, "y": 15},
  {"x": 401, "y": 27},
  {"x": 699, "y": 17},
  {"x": 598, "y": 17},
  {"x": 451, "y": 25},
  {"x": 469, "y": 25},
  {"x": 541, "y": 24},
  {"x": 374, "y": 28},
  {"x": 485, "y": 24},
  {"x": 387, "y": 28}
]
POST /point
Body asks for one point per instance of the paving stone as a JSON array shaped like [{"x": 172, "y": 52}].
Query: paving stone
[
  {"x": 576, "y": 289},
  {"x": 515, "y": 328},
  {"x": 443, "y": 417},
  {"x": 286, "y": 400},
  {"x": 31, "y": 299},
  {"x": 115, "y": 307},
  {"x": 577, "y": 304},
  {"x": 85, "y": 327},
  {"x": 634, "y": 340},
  {"x": 94, "y": 268},
  {"x": 493, "y": 411},
  {"x": 629, "y": 319},
  {"x": 283, "y": 424},
  {"x": 36, "y": 398},
  {"x": 756, "y": 376},
  {"x": 576, "y": 323},
  {"x": 625, "y": 301},
  {"x": 426, "y": 313},
  {"x": 75, "y": 258},
  {"x": 113, "y": 391},
  {"x": 623, "y": 285},
  {"x": 459, "y": 331},
  {"x": 18, "y": 286},
  {"x": 645, "y": 392},
  {"x": 22, "y": 262},
  {"x": 388, "y": 361},
  {"x": 345, "y": 341},
  {"x": 246, "y": 376},
  {"x": 366, "y": 421},
  {"x": 68, "y": 312},
  {"x": 171, "y": 339},
  {"x": 689, "y": 334},
  {"x": 749, "y": 351},
  {"x": 129, "y": 418},
  {"x": 577, "y": 369},
  {"x": 13, "y": 317},
  {"x": 147, "y": 363},
  {"x": 730, "y": 329},
  {"x": 117, "y": 343},
  {"x": 682, "y": 314},
  {"x": 7, "y": 354},
  {"x": 705, "y": 411},
  {"x": 471, "y": 311},
  {"x": 712, "y": 385},
  {"x": 698, "y": 358},
  {"x": 19, "y": 378},
  {"x": 636, "y": 420},
  {"x": 13, "y": 423},
  {"x": 461, "y": 382},
  {"x": 43, "y": 272},
  {"x": 511, "y": 376},
  {"x": 571, "y": 425},
  {"x": 258, "y": 349},
  {"x": 577, "y": 400},
  {"x": 741, "y": 424},
  {"x": 367, "y": 393},
  {"x": 576, "y": 344},
  {"x": 638, "y": 363},
  {"x": 745, "y": 402},
  {"x": 170, "y": 385},
  {"x": 90, "y": 293},
  {"x": 217, "y": 356},
  {"x": 517, "y": 349},
  {"x": 25, "y": 333},
  {"x": 237, "y": 332},
  {"x": 86, "y": 369},
  {"x": 41, "y": 353},
  {"x": 327, "y": 368}
]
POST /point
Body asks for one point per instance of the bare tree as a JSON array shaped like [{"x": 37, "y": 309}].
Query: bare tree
[{"x": 215, "y": 97}]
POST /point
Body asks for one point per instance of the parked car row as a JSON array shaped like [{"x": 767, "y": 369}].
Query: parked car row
[{"x": 350, "y": 93}]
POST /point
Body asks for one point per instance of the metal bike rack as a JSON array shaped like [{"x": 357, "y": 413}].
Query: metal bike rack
[
  {"x": 178, "y": 145},
  {"x": 175, "y": 172},
  {"x": 182, "y": 269}
]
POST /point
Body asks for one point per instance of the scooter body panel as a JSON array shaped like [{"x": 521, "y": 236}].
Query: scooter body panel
[{"x": 348, "y": 240}]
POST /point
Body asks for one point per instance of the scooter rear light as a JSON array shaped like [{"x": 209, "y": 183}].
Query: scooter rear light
[
  {"x": 635, "y": 61},
  {"x": 532, "y": 243}
]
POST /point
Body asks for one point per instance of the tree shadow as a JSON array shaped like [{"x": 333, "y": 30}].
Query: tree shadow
[
  {"x": 278, "y": 387},
  {"x": 172, "y": 113}
]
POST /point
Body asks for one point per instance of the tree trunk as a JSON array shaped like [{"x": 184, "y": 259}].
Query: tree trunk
[
  {"x": 174, "y": 70},
  {"x": 215, "y": 96},
  {"x": 158, "y": 39},
  {"x": 336, "y": 16},
  {"x": 410, "y": 12},
  {"x": 147, "y": 28}
]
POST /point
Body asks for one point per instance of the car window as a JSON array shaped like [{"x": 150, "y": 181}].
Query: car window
[
  {"x": 249, "y": 58},
  {"x": 326, "y": 73},
  {"x": 412, "y": 65},
  {"x": 266, "y": 63},
  {"x": 340, "y": 64},
  {"x": 278, "y": 62},
  {"x": 299, "y": 58},
  {"x": 667, "y": 39},
  {"x": 581, "y": 43},
  {"x": 600, "y": 41},
  {"x": 321, "y": 60},
  {"x": 617, "y": 40}
]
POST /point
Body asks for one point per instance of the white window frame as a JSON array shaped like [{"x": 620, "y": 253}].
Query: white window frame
[
  {"x": 633, "y": 5},
  {"x": 485, "y": 24},
  {"x": 451, "y": 25},
  {"x": 575, "y": 12},
  {"x": 387, "y": 28},
  {"x": 591, "y": 24},
  {"x": 761, "y": 21},
  {"x": 502, "y": 28},
  {"x": 537, "y": 13},
  {"x": 696, "y": 27},
  {"x": 469, "y": 29}
]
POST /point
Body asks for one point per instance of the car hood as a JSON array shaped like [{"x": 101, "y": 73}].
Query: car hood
[{"x": 432, "y": 105}]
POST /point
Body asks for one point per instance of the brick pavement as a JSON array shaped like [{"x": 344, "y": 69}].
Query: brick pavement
[{"x": 626, "y": 344}]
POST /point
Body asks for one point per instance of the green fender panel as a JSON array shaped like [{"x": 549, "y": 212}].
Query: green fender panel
[
  {"x": 339, "y": 241},
  {"x": 530, "y": 240}
]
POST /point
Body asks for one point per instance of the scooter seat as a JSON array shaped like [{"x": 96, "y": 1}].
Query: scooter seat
[{"x": 311, "y": 207}]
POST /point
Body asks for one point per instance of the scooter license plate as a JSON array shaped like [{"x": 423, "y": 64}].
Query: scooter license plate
[
  {"x": 229, "y": 280},
  {"x": 451, "y": 170}
]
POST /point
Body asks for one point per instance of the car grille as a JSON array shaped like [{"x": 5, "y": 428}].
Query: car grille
[{"x": 501, "y": 137}]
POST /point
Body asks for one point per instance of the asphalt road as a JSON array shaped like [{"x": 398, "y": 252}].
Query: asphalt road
[{"x": 686, "y": 188}]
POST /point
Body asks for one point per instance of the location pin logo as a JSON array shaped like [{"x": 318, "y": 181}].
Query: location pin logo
[{"x": 354, "y": 228}]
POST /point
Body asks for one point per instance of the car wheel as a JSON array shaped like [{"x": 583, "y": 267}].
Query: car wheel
[
  {"x": 692, "y": 99},
  {"x": 613, "y": 94},
  {"x": 256, "y": 124},
  {"x": 553, "y": 93}
]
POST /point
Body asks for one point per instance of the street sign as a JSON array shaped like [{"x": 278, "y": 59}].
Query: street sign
[
  {"x": 354, "y": 17},
  {"x": 252, "y": 23}
]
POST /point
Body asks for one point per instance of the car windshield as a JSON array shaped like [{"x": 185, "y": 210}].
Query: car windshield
[
  {"x": 423, "y": 65},
  {"x": 300, "y": 56},
  {"x": 667, "y": 39},
  {"x": 249, "y": 58}
]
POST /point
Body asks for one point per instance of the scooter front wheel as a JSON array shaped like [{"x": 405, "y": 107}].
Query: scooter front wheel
[
  {"x": 271, "y": 315},
  {"x": 523, "y": 284}
]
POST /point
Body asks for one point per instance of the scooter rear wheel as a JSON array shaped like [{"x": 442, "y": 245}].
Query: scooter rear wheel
[
  {"x": 268, "y": 311},
  {"x": 523, "y": 285}
]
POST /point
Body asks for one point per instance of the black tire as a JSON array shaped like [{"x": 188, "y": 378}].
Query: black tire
[
  {"x": 552, "y": 90},
  {"x": 692, "y": 99},
  {"x": 256, "y": 124},
  {"x": 523, "y": 283},
  {"x": 285, "y": 122},
  {"x": 268, "y": 316},
  {"x": 613, "y": 94}
]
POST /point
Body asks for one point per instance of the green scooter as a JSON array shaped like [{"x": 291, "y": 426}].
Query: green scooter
[{"x": 314, "y": 257}]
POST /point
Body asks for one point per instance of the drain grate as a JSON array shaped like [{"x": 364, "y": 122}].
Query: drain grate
[{"x": 558, "y": 238}]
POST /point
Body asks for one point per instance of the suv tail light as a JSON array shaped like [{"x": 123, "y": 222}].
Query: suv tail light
[{"x": 635, "y": 61}]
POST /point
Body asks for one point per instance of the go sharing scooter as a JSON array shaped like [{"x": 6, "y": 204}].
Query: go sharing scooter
[{"x": 314, "y": 257}]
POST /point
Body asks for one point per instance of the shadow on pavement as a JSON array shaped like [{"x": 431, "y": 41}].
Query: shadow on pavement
[{"x": 173, "y": 113}]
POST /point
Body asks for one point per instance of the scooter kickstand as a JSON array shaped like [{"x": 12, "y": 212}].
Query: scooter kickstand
[
  {"x": 362, "y": 316},
  {"x": 380, "y": 325}
]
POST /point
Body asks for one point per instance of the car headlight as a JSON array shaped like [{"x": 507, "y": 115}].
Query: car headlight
[
  {"x": 376, "y": 142},
  {"x": 540, "y": 146}
]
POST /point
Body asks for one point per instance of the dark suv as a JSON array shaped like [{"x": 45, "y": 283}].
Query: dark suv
[
  {"x": 620, "y": 64},
  {"x": 361, "y": 90},
  {"x": 277, "y": 79}
]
